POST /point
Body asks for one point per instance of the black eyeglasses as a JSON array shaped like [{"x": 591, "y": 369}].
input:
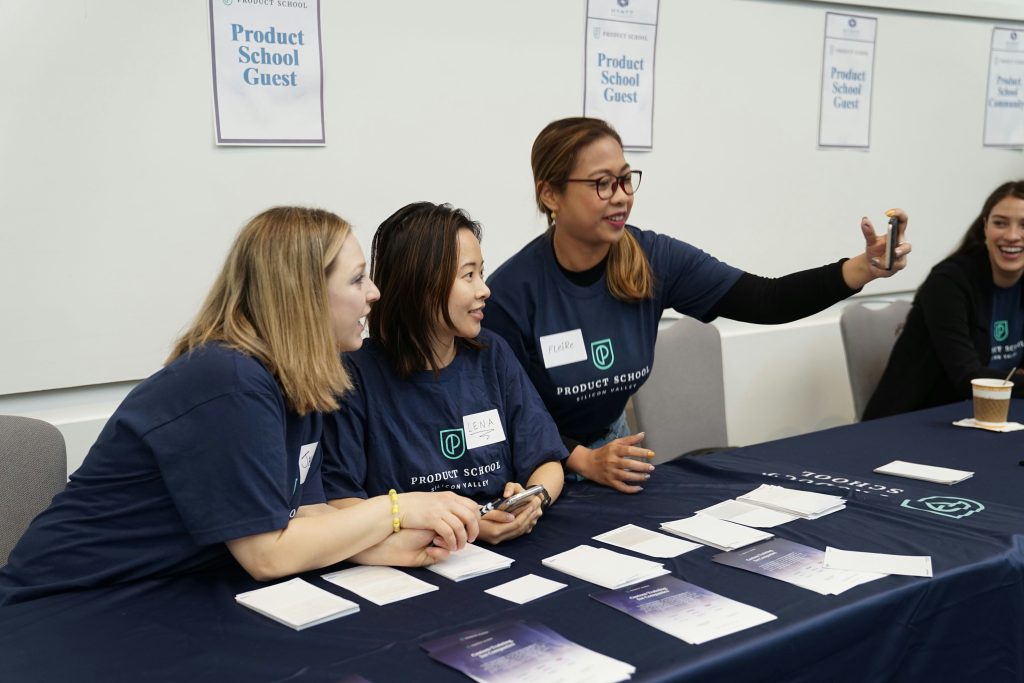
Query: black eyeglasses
[{"x": 608, "y": 184}]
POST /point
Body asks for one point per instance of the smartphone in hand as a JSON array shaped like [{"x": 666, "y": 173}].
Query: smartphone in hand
[
  {"x": 513, "y": 502},
  {"x": 892, "y": 236}
]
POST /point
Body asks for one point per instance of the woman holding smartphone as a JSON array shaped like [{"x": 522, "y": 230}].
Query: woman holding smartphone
[
  {"x": 438, "y": 403},
  {"x": 216, "y": 458},
  {"x": 580, "y": 305}
]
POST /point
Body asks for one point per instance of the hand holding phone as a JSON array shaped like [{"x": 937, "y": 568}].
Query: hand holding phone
[
  {"x": 892, "y": 236},
  {"x": 515, "y": 501}
]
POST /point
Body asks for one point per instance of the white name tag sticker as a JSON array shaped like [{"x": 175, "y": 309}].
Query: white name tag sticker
[
  {"x": 306, "y": 454},
  {"x": 563, "y": 348},
  {"x": 483, "y": 429}
]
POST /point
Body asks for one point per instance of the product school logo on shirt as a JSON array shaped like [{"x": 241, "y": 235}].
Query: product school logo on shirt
[
  {"x": 1001, "y": 330},
  {"x": 602, "y": 353},
  {"x": 453, "y": 443}
]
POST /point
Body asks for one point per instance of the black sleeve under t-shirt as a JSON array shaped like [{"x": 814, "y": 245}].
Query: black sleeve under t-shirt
[{"x": 769, "y": 301}]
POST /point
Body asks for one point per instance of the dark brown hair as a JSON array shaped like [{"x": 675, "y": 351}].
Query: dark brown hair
[
  {"x": 414, "y": 261},
  {"x": 553, "y": 159},
  {"x": 975, "y": 234}
]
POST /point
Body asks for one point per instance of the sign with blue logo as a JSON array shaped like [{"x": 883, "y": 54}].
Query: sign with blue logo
[
  {"x": 1004, "y": 102},
  {"x": 618, "y": 84},
  {"x": 846, "y": 80}
]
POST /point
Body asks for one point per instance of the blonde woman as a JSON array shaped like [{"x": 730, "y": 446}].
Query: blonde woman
[{"x": 216, "y": 457}]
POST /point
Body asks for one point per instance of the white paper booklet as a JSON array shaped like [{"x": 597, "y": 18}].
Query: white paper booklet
[
  {"x": 714, "y": 532},
  {"x": 937, "y": 475},
  {"x": 646, "y": 542},
  {"x": 379, "y": 585},
  {"x": 297, "y": 603},
  {"x": 797, "y": 564},
  {"x": 904, "y": 565},
  {"x": 604, "y": 567},
  {"x": 525, "y": 588},
  {"x": 747, "y": 514},
  {"x": 805, "y": 504},
  {"x": 470, "y": 562}
]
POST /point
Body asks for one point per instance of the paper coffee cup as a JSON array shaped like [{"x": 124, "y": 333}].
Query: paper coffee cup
[{"x": 991, "y": 401}]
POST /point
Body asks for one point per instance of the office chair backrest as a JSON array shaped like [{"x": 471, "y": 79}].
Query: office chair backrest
[
  {"x": 33, "y": 469},
  {"x": 681, "y": 407},
  {"x": 868, "y": 337}
]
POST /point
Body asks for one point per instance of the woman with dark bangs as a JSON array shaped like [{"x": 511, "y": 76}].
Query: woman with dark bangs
[{"x": 438, "y": 403}]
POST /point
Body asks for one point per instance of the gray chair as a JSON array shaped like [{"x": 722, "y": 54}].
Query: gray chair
[
  {"x": 681, "y": 406},
  {"x": 869, "y": 334},
  {"x": 33, "y": 469}
]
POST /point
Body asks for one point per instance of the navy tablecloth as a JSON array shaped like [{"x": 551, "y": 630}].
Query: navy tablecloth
[{"x": 966, "y": 621}]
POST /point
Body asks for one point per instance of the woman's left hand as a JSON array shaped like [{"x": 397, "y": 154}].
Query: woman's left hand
[
  {"x": 866, "y": 267},
  {"x": 497, "y": 526}
]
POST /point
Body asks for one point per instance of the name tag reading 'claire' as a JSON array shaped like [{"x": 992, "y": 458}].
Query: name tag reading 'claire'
[{"x": 563, "y": 348}]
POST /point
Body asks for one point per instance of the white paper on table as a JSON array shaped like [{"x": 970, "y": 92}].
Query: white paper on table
[
  {"x": 715, "y": 532},
  {"x": 806, "y": 504},
  {"x": 379, "y": 585},
  {"x": 646, "y": 542},
  {"x": 937, "y": 475},
  {"x": 1005, "y": 427},
  {"x": 604, "y": 567},
  {"x": 297, "y": 603},
  {"x": 747, "y": 514},
  {"x": 904, "y": 565},
  {"x": 525, "y": 588},
  {"x": 470, "y": 562}
]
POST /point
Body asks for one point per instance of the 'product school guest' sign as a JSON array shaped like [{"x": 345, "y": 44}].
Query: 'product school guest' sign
[
  {"x": 1004, "y": 105},
  {"x": 846, "y": 78},
  {"x": 267, "y": 72},
  {"x": 619, "y": 79}
]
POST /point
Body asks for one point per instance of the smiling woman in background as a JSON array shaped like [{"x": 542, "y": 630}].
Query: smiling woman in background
[
  {"x": 967, "y": 319},
  {"x": 580, "y": 304},
  {"x": 217, "y": 455}
]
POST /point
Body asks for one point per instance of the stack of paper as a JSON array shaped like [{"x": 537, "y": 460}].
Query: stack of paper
[
  {"x": 797, "y": 564},
  {"x": 646, "y": 542},
  {"x": 525, "y": 588},
  {"x": 747, "y": 514},
  {"x": 297, "y": 603},
  {"x": 604, "y": 567},
  {"x": 379, "y": 585},
  {"x": 937, "y": 475},
  {"x": 805, "y": 504},
  {"x": 683, "y": 610},
  {"x": 514, "y": 651},
  {"x": 714, "y": 532},
  {"x": 470, "y": 562}
]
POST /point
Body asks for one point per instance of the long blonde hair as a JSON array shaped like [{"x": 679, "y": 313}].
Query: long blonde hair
[
  {"x": 270, "y": 302},
  {"x": 553, "y": 158}
]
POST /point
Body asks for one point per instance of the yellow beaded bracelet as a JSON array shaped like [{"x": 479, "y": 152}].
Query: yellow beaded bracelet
[{"x": 396, "y": 523}]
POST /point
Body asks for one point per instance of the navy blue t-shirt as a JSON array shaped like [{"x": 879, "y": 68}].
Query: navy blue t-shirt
[
  {"x": 1007, "y": 332},
  {"x": 477, "y": 426},
  {"x": 203, "y": 452},
  {"x": 585, "y": 351}
]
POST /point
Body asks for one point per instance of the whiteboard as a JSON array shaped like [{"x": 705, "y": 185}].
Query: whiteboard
[{"x": 118, "y": 208}]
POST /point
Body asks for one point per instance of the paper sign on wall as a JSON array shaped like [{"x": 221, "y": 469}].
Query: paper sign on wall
[
  {"x": 846, "y": 80},
  {"x": 267, "y": 72},
  {"x": 1004, "y": 103},
  {"x": 619, "y": 76}
]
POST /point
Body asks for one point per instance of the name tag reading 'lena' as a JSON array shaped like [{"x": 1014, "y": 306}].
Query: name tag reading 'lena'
[
  {"x": 483, "y": 429},
  {"x": 563, "y": 348}
]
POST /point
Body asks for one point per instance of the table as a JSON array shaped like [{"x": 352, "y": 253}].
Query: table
[{"x": 964, "y": 623}]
